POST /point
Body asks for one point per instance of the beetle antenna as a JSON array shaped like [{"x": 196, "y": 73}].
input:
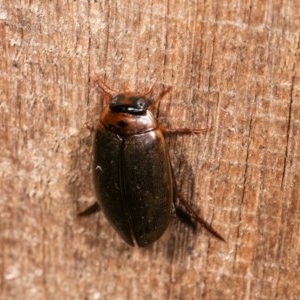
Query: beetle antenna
[
  {"x": 104, "y": 87},
  {"x": 151, "y": 87},
  {"x": 160, "y": 96}
]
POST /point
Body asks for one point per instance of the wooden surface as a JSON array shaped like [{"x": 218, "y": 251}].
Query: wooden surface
[{"x": 234, "y": 67}]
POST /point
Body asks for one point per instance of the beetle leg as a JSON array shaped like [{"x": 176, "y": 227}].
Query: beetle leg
[
  {"x": 185, "y": 218},
  {"x": 193, "y": 215},
  {"x": 183, "y": 130},
  {"x": 90, "y": 210}
]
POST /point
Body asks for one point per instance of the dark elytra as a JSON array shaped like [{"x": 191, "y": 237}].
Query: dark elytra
[{"x": 133, "y": 176}]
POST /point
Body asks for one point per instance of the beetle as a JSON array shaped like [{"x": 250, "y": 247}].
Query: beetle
[{"x": 133, "y": 177}]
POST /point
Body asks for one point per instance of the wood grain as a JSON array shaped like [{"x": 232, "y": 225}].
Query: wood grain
[{"x": 234, "y": 67}]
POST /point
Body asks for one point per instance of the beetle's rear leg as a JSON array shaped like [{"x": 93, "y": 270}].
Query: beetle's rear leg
[
  {"x": 190, "y": 215},
  {"x": 185, "y": 218},
  {"x": 90, "y": 210}
]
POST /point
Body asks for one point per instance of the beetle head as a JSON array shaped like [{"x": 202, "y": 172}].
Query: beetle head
[{"x": 130, "y": 103}]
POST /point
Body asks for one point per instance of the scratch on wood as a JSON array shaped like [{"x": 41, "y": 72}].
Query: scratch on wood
[{"x": 288, "y": 131}]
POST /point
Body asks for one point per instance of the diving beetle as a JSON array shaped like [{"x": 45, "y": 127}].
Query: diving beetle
[{"x": 133, "y": 176}]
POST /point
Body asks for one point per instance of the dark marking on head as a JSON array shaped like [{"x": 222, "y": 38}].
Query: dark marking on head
[{"x": 122, "y": 124}]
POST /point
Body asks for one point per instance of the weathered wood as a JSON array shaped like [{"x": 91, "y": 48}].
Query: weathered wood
[{"x": 234, "y": 67}]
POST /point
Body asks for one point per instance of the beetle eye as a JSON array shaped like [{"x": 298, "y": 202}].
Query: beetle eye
[{"x": 140, "y": 103}]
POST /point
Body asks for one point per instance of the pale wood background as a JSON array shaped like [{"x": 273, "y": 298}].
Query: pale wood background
[{"x": 234, "y": 67}]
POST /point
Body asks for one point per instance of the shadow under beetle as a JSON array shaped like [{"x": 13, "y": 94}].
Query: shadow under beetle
[{"x": 133, "y": 177}]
